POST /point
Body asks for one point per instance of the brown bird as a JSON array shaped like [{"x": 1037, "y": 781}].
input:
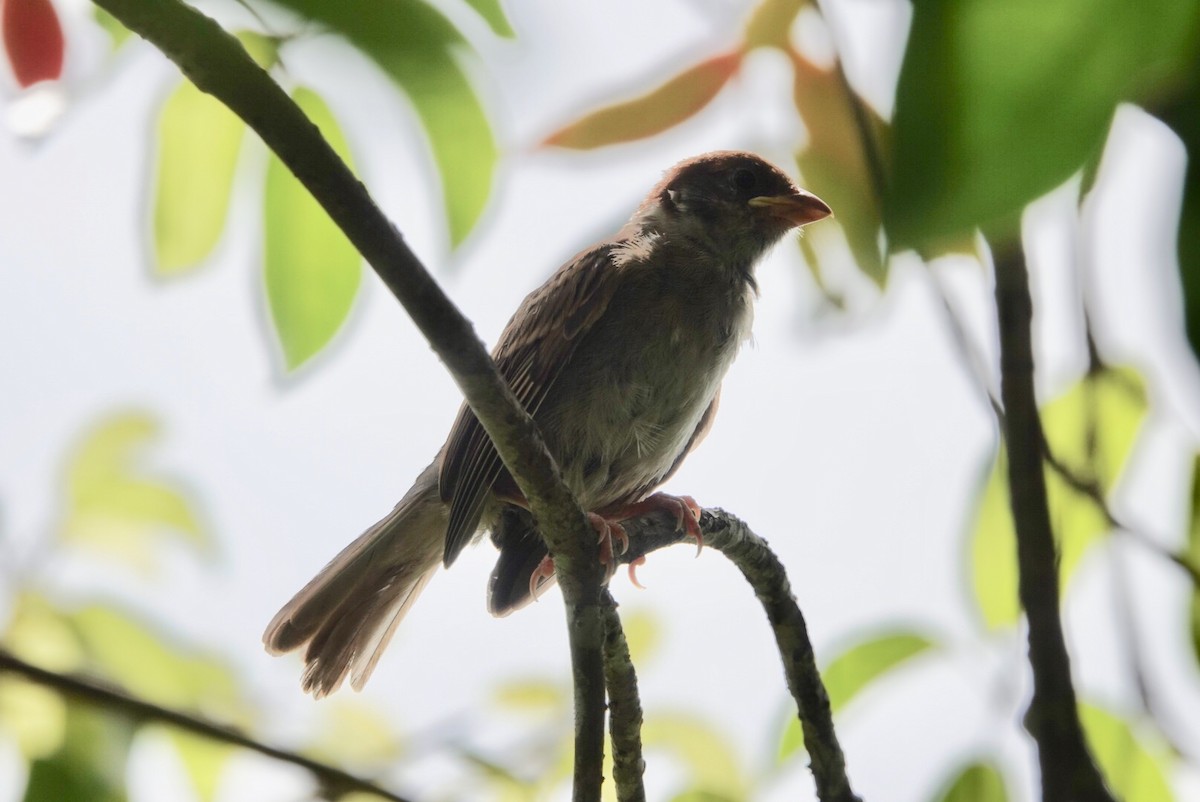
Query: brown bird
[{"x": 619, "y": 358}]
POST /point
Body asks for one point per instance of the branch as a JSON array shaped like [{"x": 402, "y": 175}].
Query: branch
[
  {"x": 624, "y": 709},
  {"x": 333, "y": 780},
  {"x": 765, "y": 573},
  {"x": 219, "y": 65},
  {"x": 1068, "y": 772}
]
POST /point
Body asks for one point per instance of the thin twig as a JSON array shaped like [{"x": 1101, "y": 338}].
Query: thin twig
[
  {"x": 218, "y": 64},
  {"x": 1090, "y": 488},
  {"x": 88, "y": 691},
  {"x": 766, "y": 575},
  {"x": 624, "y": 709},
  {"x": 1068, "y": 772}
]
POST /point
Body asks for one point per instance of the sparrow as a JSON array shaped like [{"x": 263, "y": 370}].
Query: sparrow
[{"x": 619, "y": 358}]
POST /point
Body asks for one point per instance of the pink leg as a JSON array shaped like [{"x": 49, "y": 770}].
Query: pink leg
[
  {"x": 607, "y": 530},
  {"x": 684, "y": 508}
]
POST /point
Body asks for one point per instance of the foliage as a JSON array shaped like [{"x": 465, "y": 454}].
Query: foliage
[
  {"x": 982, "y": 127},
  {"x": 311, "y": 274},
  {"x": 1092, "y": 429}
]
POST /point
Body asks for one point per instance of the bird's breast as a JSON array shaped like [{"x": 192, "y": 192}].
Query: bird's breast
[{"x": 629, "y": 401}]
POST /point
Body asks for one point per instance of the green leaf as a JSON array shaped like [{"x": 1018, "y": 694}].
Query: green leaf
[
  {"x": 115, "y": 507},
  {"x": 142, "y": 661},
  {"x": 203, "y": 759},
  {"x": 1134, "y": 768},
  {"x": 420, "y": 51},
  {"x": 663, "y": 107},
  {"x": 1091, "y": 429},
  {"x": 198, "y": 144},
  {"x": 262, "y": 48},
  {"x": 834, "y": 162},
  {"x": 710, "y": 759},
  {"x": 34, "y": 716},
  {"x": 112, "y": 26},
  {"x": 644, "y": 634},
  {"x": 531, "y": 695},
  {"x": 357, "y": 735},
  {"x": 853, "y": 670},
  {"x": 1193, "y": 554},
  {"x": 978, "y": 782},
  {"x": 868, "y": 660},
  {"x": 493, "y": 13},
  {"x": 312, "y": 271},
  {"x": 1000, "y": 101},
  {"x": 89, "y": 766}
]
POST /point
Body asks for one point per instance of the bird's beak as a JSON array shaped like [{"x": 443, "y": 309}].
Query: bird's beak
[{"x": 799, "y": 209}]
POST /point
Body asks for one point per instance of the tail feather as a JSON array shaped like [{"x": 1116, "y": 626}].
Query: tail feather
[{"x": 347, "y": 613}]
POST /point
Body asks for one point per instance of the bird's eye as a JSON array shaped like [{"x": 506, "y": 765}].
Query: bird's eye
[{"x": 744, "y": 179}]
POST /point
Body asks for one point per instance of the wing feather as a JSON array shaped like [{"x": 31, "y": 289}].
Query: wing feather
[{"x": 538, "y": 341}]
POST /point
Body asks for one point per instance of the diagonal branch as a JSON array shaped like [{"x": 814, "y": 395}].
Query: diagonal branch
[
  {"x": 334, "y": 780},
  {"x": 1068, "y": 771},
  {"x": 219, "y": 65},
  {"x": 765, "y": 573}
]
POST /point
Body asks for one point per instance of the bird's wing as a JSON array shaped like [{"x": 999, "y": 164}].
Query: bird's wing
[{"x": 538, "y": 341}]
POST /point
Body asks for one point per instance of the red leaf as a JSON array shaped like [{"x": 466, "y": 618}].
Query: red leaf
[
  {"x": 33, "y": 38},
  {"x": 669, "y": 104}
]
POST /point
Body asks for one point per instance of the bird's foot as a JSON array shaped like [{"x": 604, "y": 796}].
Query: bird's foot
[
  {"x": 608, "y": 531},
  {"x": 684, "y": 508}
]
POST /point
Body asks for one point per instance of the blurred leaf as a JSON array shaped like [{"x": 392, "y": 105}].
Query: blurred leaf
[
  {"x": 493, "y": 13},
  {"x": 420, "y": 51},
  {"x": 661, "y": 108},
  {"x": 1000, "y": 101},
  {"x": 834, "y": 163},
  {"x": 1182, "y": 114},
  {"x": 531, "y": 696},
  {"x": 1193, "y": 553},
  {"x": 114, "y": 507},
  {"x": 864, "y": 662},
  {"x": 854, "y": 669},
  {"x": 39, "y": 633},
  {"x": 90, "y": 765},
  {"x": 978, "y": 782},
  {"x": 312, "y": 270},
  {"x": 198, "y": 144},
  {"x": 770, "y": 24},
  {"x": 33, "y": 40},
  {"x": 710, "y": 759},
  {"x": 1134, "y": 770},
  {"x": 203, "y": 759},
  {"x": 32, "y": 715},
  {"x": 262, "y": 48},
  {"x": 355, "y": 734},
  {"x": 703, "y": 796},
  {"x": 1091, "y": 429},
  {"x": 644, "y": 633},
  {"x": 142, "y": 661},
  {"x": 112, "y": 26}
]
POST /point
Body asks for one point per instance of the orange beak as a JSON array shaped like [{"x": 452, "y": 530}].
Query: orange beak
[{"x": 799, "y": 209}]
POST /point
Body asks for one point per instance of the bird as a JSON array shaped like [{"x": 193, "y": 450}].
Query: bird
[{"x": 619, "y": 358}]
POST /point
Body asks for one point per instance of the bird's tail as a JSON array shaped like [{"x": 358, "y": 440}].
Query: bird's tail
[{"x": 348, "y": 612}]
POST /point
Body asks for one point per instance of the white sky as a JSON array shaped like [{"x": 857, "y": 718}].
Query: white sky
[{"x": 854, "y": 443}]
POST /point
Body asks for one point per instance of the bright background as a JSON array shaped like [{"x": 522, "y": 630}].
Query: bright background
[{"x": 854, "y": 441}]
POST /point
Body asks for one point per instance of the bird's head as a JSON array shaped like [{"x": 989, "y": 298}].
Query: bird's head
[{"x": 733, "y": 203}]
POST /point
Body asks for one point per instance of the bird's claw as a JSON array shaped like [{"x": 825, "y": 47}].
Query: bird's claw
[
  {"x": 543, "y": 572},
  {"x": 633, "y": 566}
]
